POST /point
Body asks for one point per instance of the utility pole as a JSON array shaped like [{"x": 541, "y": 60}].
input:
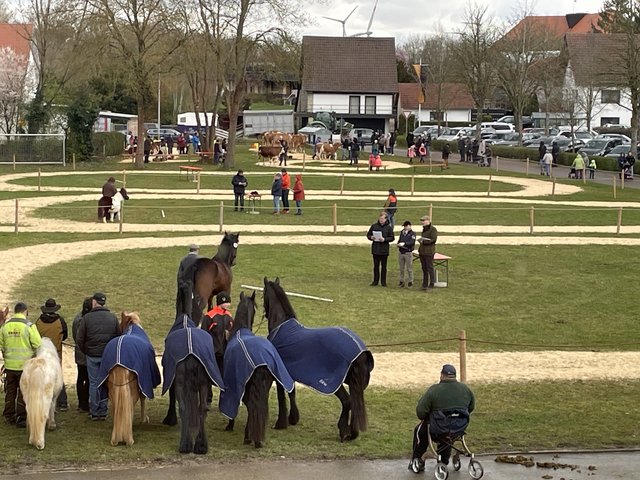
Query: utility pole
[{"x": 158, "y": 105}]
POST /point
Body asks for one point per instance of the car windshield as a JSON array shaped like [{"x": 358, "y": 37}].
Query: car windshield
[
  {"x": 583, "y": 135},
  {"x": 596, "y": 143}
]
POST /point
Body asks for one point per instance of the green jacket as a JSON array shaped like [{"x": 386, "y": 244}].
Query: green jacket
[
  {"x": 449, "y": 393},
  {"x": 428, "y": 240},
  {"x": 19, "y": 339},
  {"x": 578, "y": 162}
]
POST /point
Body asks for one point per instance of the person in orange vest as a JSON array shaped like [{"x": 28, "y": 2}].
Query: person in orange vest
[
  {"x": 286, "y": 185},
  {"x": 218, "y": 321}
]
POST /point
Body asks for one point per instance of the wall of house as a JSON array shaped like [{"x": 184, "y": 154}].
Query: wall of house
[
  {"x": 339, "y": 103},
  {"x": 607, "y": 112},
  {"x": 449, "y": 116}
]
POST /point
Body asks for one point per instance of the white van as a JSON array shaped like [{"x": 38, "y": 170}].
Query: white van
[{"x": 498, "y": 126}]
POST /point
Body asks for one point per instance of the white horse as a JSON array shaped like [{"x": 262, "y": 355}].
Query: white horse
[
  {"x": 116, "y": 205},
  {"x": 41, "y": 383}
]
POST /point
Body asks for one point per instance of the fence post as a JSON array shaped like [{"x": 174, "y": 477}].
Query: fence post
[
  {"x": 463, "y": 356},
  {"x": 221, "y": 216},
  {"x": 16, "y": 217},
  {"x": 430, "y": 165},
  {"x": 14, "y": 161},
  {"x": 531, "y": 220},
  {"x": 413, "y": 183},
  {"x": 527, "y": 169},
  {"x": 431, "y": 212},
  {"x": 342, "y": 184},
  {"x": 553, "y": 189},
  {"x": 584, "y": 175},
  {"x": 622, "y": 179},
  {"x": 39, "y": 181},
  {"x": 619, "y": 220},
  {"x": 335, "y": 218},
  {"x": 489, "y": 190},
  {"x": 615, "y": 194},
  {"x": 73, "y": 160},
  {"x": 121, "y": 217},
  {"x": 497, "y": 162},
  {"x": 198, "y": 185},
  {"x": 104, "y": 149},
  {"x": 124, "y": 178}
]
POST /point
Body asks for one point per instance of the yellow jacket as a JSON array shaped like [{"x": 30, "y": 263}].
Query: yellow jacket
[{"x": 19, "y": 339}]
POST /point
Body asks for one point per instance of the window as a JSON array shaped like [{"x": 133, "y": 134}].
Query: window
[
  {"x": 354, "y": 104},
  {"x": 610, "y": 96},
  {"x": 370, "y": 105},
  {"x": 435, "y": 116},
  {"x": 609, "y": 121}
]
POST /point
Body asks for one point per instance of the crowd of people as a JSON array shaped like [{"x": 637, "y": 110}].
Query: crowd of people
[{"x": 164, "y": 148}]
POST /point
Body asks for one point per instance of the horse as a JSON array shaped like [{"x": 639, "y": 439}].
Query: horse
[
  {"x": 321, "y": 358},
  {"x": 189, "y": 369},
  {"x": 41, "y": 383},
  {"x": 212, "y": 276},
  {"x": 251, "y": 364},
  {"x": 111, "y": 206},
  {"x": 130, "y": 373},
  {"x": 4, "y": 314}
]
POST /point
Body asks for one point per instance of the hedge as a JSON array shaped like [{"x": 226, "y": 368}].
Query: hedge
[{"x": 108, "y": 144}]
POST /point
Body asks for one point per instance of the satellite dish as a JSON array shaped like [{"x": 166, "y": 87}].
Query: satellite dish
[
  {"x": 368, "y": 32},
  {"x": 343, "y": 22}
]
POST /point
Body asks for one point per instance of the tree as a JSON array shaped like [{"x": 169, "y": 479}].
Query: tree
[
  {"x": 81, "y": 117},
  {"x": 475, "y": 57},
  {"x": 13, "y": 85}
]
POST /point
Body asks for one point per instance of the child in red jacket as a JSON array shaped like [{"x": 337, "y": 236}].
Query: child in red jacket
[{"x": 298, "y": 193}]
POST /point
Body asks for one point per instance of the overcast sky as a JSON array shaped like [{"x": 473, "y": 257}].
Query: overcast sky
[{"x": 399, "y": 18}]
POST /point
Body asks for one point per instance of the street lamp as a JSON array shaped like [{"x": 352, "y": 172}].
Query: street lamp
[{"x": 158, "y": 105}]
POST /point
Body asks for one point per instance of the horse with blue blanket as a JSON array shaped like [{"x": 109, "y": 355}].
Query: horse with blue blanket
[
  {"x": 321, "y": 358},
  {"x": 129, "y": 373},
  {"x": 251, "y": 364},
  {"x": 189, "y": 368}
]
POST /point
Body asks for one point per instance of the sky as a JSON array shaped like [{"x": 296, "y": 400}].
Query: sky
[{"x": 400, "y": 18}]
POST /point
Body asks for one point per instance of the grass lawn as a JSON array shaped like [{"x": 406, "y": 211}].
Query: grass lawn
[{"x": 508, "y": 417}]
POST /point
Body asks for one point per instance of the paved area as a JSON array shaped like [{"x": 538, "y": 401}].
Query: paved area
[{"x": 579, "y": 466}]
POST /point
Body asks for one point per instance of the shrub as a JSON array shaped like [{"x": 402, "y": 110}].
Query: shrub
[{"x": 108, "y": 144}]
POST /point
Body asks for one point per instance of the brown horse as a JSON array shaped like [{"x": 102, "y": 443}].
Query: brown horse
[
  {"x": 212, "y": 276},
  {"x": 4, "y": 314}
]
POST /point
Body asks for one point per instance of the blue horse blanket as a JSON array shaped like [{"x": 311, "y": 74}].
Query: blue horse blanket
[
  {"x": 133, "y": 351},
  {"x": 317, "y": 357},
  {"x": 186, "y": 339},
  {"x": 246, "y": 352}
]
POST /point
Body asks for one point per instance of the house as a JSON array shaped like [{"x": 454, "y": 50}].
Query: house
[
  {"x": 556, "y": 26},
  {"x": 450, "y": 101},
  {"x": 595, "y": 78},
  {"x": 18, "y": 74},
  {"x": 355, "y": 77}
]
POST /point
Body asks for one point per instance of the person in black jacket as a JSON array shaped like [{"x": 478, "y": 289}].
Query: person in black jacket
[
  {"x": 186, "y": 301},
  {"x": 406, "y": 243},
  {"x": 239, "y": 182},
  {"x": 96, "y": 329},
  {"x": 381, "y": 235}
]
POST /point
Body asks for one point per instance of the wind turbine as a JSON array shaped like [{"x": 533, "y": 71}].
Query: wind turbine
[
  {"x": 343, "y": 22},
  {"x": 368, "y": 32}
]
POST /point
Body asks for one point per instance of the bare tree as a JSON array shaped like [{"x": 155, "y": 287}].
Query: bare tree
[
  {"x": 13, "y": 86},
  {"x": 474, "y": 55}
]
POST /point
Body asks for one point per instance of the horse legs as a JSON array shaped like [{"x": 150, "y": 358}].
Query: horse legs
[
  {"x": 281, "y": 423},
  {"x": 294, "y": 414},
  {"x": 358, "y": 379},
  {"x": 143, "y": 414},
  {"x": 343, "y": 422},
  {"x": 256, "y": 398},
  {"x": 51, "y": 421},
  {"x": 230, "y": 425},
  {"x": 171, "y": 419},
  {"x": 201, "y": 445}
]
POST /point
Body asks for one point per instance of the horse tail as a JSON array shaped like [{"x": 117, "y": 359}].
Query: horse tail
[
  {"x": 122, "y": 402},
  {"x": 256, "y": 398},
  {"x": 192, "y": 384},
  {"x": 37, "y": 391},
  {"x": 358, "y": 380}
]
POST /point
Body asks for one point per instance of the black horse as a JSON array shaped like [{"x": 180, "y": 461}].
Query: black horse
[
  {"x": 208, "y": 277},
  {"x": 321, "y": 358},
  {"x": 251, "y": 364},
  {"x": 189, "y": 370}
]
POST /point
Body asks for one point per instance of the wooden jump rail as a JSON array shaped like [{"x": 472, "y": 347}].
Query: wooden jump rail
[{"x": 191, "y": 171}]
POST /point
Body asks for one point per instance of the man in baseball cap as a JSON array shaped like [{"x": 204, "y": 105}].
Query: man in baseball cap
[
  {"x": 186, "y": 300},
  {"x": 436, "y": 405}
]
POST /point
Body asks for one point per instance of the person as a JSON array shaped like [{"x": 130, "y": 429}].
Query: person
[
  {"x": 354, "y": 152},
  {"x": 461, "y": 148},
  {"x": 630, "y": 162},
  {"x": 170, "y": 146},
  {"x": 542, "y": 149},
  {"x": 380, "y": 241},
  {"x": 182, "y": 144},
  {"x": 109, "y": 188},
  {"x": 82, "y": 379},
  {"x": 392, "y": 142},
  {"x": 547, "y": 160},
  {"x": 108, "y": 192},
  {"x": 19, "y": 340},
  {"x": 284, "y": 153},
  {"x": 218, "y": 315},
  {"x": 217, "y": 152},
  {"x": 195, "y": 142},
  {"x": 488, "y": 152},
  {"x": 239, "y": 182},
  {"x": 555, "y": 151},
  {"x": 409, "y": 139},
  {"x": 593, "y": 166},
  {"x": 286, "y": 186},
  {"x": 146, "y": 148},
  {"x": 427, "y": 251},
  {"x": 406, "y": 242},
  {"x": 422, "y": 152},
  {"x": 52, "y": 325},
  {"x": 316, "y": 150},
  {"x": 447, "y": 395},
  {"x": 411, "y": 153},
  {"x": 276, "y": 191},
  {"x": 96, "y": 329},
  {"x": 298, "y": 193},
  {"x": 391, "y": 206},
  {"x": 185, "y": 299},
  {"x": 446, "y": 150},
  {"x": 578, "y": 164}
]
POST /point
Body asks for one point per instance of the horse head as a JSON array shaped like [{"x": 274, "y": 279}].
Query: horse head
[
  {"x": 229, "y": 248},
  {"x": 127, "y": 319},
  {"x": 245, "y": 314},
  {"x": 123, "y": 192},
  {"x": 277, "y": 307}
]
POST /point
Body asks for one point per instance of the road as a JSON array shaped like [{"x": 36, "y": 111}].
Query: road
[{"x": 618, "y": 465}]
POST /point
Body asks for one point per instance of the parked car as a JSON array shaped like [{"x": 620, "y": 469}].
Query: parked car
[
  {"x": 563, "y": 143},
  {"x": 163, "y": 133},
  {"x": 509, "y": 139},
  {"x": 618, "y": 149},
  {"x": 601, "y": 146},
  {"x": 362, "y": 135},
  {"x": 625, "y": 138},
  {"x": 526, "y": 121},
  {"x": 450, "y": 134},
  {"x": 425, "y": 130}
]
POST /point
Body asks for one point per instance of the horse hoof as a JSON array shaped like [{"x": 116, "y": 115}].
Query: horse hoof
[
  {"x": 170, "y": 421},
  {"x": 280, "y": 426},
  {"x": 258, "y": 444},
  {"x": 247, "y": 441},
  {"x": 145, "y": 419},
  {"x": 228, "y": 428},
  {"x": 104, "y": 220}
]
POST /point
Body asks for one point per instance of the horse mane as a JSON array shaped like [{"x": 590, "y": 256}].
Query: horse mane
[
  {"x": 127, "y": 319},
  {"x": 245, "y": 313},
  {"x": 275, "y": 289},
  {"x": 227, "y": 250}
]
